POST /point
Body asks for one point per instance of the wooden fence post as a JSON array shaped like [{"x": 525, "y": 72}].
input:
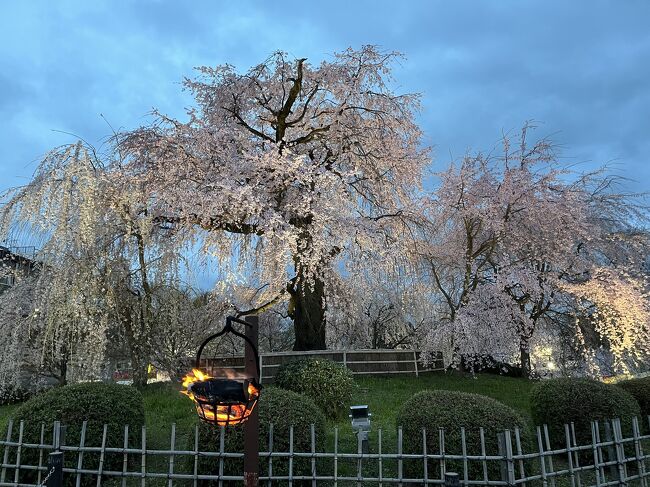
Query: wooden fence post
[
  {"x": 507, "y": 464},
  {"x": 415, "y": 363},
  {"x": 620, "y": 452},
  {"x": 5, "y": 459},
  {"x": 501, "y": 445},
  {"x": 638, "y": 451},
  {"x": 611, "y": 453}
]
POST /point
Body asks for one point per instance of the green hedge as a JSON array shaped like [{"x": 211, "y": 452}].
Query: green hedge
[
  {"x": 640, "y": 390},
  {"x": 453, "y": 410},
  {"x": 282, "y": 409},
  {"x": 556, "y": 402},
  {"x": 95, "y": 402},
  {"x": 328, "y": 383}
]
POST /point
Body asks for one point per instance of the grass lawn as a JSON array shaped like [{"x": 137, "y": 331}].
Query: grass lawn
[{"x": 386, "y": 395}]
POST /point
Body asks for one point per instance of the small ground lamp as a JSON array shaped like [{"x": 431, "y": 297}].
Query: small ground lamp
[
  {"x": 228, "y": 397},
  {"x": 360, "y": 416}
]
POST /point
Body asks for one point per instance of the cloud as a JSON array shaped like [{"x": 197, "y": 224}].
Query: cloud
[{"x": 579, "y": 67}]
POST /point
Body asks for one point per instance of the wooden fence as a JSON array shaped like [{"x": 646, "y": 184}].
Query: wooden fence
[
  {"x": 614, "y": 455},
  {"x": 360, "y": 362}
]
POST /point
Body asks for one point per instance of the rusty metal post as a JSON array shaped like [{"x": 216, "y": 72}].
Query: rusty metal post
[
  {"x": 54, "y": 474},
  {"x": 252, "y": 425}
]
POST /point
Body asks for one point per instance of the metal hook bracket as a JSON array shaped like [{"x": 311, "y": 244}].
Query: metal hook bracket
[{"x": 230, "y": 329}]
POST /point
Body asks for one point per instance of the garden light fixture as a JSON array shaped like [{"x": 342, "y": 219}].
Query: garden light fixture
[
  {"x": 230, "y": 398},
  {"x": 360, "y": 416}
]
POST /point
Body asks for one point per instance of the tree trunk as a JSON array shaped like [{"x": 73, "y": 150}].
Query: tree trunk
[
  {"x": 308, "y": 313},
  {"x": 139, "y": 369},
  {"x": 524, "y": 357},
  {"x": 375, "y": 335},
  {"x": 63, "y": 371},
  {"x": 137, "y": 353},
  {"x": 63, "y": 365}
]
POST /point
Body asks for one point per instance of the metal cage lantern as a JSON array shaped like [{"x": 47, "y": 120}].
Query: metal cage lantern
[{"x": 227, "y": 400}]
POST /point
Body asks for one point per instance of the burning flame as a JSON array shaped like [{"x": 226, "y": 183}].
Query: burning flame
[
  {"x": 225, "y": 414},
  {"x": 195, "y": 376}
]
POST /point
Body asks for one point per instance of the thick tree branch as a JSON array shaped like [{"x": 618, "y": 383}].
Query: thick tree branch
[{"x": 212, "y": 223}]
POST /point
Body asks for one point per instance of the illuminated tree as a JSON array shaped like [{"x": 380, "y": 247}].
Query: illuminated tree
[
  {"x": 101, "y": 255},
  {"x": 285, "y": 169},
  {"x": 45, "y": 334},
  {"x": 303, "y": 182},
  {"x": 616, "y": 305},
  {"x": 505, "y": 237}
]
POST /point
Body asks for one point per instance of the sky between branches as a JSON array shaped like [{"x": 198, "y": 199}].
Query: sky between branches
[{"x": 580, "y": 68}]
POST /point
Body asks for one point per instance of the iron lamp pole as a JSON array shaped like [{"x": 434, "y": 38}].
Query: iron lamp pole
[{"x": 252, "y": 425}]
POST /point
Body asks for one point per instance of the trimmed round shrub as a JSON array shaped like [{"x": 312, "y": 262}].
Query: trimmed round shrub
[
  {"x": 328, "y": 383},
  {"x": 97, "y": 403},
  {"x": 640, "y": 390},
  {"x": 556, "y": 402},
  {"x": 282, "y": 409},
  {"x": 453, "y": 410}
]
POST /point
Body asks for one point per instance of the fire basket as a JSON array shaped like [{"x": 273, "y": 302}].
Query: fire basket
[{"x": 228, "y": 400}]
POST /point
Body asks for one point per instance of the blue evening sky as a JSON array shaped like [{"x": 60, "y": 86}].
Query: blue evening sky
[{"x": 580, "y": 68}]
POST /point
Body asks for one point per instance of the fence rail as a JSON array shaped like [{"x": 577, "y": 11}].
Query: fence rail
[
  {"x": 610, "y": 458},
  {"x": 360, "y": 362}
]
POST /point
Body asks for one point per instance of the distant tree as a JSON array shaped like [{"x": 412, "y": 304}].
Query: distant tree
[
  {"x": 616, "y": 307},
  {"x": 381, "y": 310},
  {"x": 102, "y": 255},
  {"x": 183, "y": 319},
  {"x": 44, "y": 336},
  {"x": 513, "y": 239}
]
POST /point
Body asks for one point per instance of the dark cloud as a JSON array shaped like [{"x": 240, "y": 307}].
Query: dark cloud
[{"x": 581, "y": 68}]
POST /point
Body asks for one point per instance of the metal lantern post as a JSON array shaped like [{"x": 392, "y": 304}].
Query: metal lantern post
[
  {"x": 360, "y": 416},
  {"x": 230, "y": 399},
  {"x": 252, "y": 426}
]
